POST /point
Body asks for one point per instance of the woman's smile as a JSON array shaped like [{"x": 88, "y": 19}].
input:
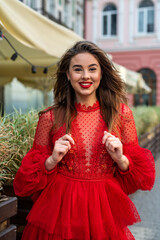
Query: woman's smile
[{"x": 85, "y": 84}]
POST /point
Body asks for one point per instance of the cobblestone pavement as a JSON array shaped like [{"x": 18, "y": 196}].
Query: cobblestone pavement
[{"x": 148, "y": 206}]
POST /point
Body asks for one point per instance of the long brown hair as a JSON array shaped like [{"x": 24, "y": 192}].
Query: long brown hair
[{"x": 110, "y": 92}]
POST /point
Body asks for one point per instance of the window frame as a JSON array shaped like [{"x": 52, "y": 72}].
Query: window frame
[
  {"x": 109, "y": 15},
  {"x": 145, "y": 11}
]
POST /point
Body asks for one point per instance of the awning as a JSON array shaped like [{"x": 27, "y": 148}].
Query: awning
[
  {"x": 134, "y": 81},
  {"x": 34, "y": 30},
  {"x": 39, "y": 40}
]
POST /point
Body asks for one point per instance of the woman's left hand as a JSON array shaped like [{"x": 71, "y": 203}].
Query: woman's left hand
[
  {"x": 115, "y": 149},
  {"x": 114, "y": 146}
]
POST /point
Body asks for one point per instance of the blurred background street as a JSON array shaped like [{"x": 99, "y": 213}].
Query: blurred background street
[{"x": 148, "y": 206}]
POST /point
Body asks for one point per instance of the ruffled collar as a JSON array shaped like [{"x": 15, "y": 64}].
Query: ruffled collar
[{"x": 83, "y": 107}]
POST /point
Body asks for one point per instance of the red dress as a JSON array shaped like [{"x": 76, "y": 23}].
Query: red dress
[{"x": 85, "y": 196}]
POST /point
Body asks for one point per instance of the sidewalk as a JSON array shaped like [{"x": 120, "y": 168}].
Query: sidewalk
[{"x": 148, "y": 206}]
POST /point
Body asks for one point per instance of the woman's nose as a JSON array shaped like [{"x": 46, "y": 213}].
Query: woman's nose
[{"x": 85, "y": 75}]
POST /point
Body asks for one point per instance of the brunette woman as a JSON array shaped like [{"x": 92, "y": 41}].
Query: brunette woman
[{"x": 85, "y": 159}]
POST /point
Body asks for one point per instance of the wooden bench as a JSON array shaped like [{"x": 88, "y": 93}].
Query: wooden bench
[{"x": 8, "y": 208}]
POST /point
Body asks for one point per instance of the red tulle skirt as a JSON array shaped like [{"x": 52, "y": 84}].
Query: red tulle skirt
[{"x": 75, "y": 209}]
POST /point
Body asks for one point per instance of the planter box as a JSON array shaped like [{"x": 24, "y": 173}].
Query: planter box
[{"x": 8, "y": 208}]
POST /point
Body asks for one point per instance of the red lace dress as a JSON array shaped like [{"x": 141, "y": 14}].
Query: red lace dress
[{"x": 85, "y": 196}]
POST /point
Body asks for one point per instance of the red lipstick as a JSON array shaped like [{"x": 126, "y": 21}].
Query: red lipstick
[{"x": 85, "y": 84}]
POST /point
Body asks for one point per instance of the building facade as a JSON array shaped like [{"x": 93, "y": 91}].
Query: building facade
[
  {"x": 69, "y": 13},
  {"x": 130, "y": 31}
]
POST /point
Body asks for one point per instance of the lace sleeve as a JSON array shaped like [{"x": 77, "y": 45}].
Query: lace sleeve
[
  {"x": 32, "y": 175},
  {"x": 141, "y": 174},
  {"x": 129, "y": 133}
]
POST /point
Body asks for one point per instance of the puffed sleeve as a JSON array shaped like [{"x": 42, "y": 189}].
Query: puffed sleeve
[
  {"x": 141, "y": 173},
  {"x": 32, "y": 175}
]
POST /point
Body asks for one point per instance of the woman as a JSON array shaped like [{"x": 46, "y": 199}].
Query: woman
[{"x": 85, "y": 159}]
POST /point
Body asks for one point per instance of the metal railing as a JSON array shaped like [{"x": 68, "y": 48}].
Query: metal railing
[{"x": 151, "y": 141}]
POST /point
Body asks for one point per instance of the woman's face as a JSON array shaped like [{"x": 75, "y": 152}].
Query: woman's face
[{"x": 84, "y": 75}]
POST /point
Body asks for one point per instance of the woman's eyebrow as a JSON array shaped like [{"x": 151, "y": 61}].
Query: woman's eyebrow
[
  {"x": 91, "y": 65},
  {"x": 94, "y": 64},
  {"x": 76, "y": 66}
]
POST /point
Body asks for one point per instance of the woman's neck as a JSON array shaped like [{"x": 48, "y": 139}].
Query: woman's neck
[{"x": 86, "y": 101}]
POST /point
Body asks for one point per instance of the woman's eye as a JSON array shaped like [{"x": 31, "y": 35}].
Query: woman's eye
[
  {"x": 77, "y": 69},
  {"x": 92, "y": 69}
]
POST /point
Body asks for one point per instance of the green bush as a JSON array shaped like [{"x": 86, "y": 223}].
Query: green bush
[
  {"x": 157, "y": 109},
  {"x": 146, "y": 118},
  {"x": 16, "y": 139}
]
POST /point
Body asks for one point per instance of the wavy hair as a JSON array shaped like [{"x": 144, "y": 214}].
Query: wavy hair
[{"x": 110, "y": 93}]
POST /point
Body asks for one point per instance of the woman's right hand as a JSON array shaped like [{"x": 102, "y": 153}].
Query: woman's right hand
[{"x": 61, "y": 147}]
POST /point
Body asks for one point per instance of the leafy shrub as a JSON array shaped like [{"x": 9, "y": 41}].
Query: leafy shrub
[
  {"x": 157, "y": 109},
  {"x": 16, "y": 139},
  {"x": 146, "y": 118}
]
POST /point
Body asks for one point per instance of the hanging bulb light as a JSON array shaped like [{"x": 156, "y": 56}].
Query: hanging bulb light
[
  {"x": 34, "y": 69},
  {"x": 45, "y": 70},
  {"x": 14, "y": 56},
  {"x": 1, "y": 35}
]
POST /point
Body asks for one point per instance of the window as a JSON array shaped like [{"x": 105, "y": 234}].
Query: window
[
  {"x": 52, "y": 7},
  {"x": 147, "y": 99},
  {"x": 66, "y": 12},
  {"x": 78, "y": 23},
  {"x": 31, "y": 3},
  {"x": 109, "y": 20},
  {"x": 73, "y": 7},
  {"x": 146, "y": 17}
]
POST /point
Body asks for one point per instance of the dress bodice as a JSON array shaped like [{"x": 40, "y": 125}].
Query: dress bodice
[{"x": 88, "y": 157}]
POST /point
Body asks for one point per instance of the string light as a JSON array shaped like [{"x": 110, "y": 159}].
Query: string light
[
  {"x": 45, "y": 70},
  {"x": 34, "y": 69},
  {"x": 16, "y": 54},
  {"x": 1, "y": 35}
]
